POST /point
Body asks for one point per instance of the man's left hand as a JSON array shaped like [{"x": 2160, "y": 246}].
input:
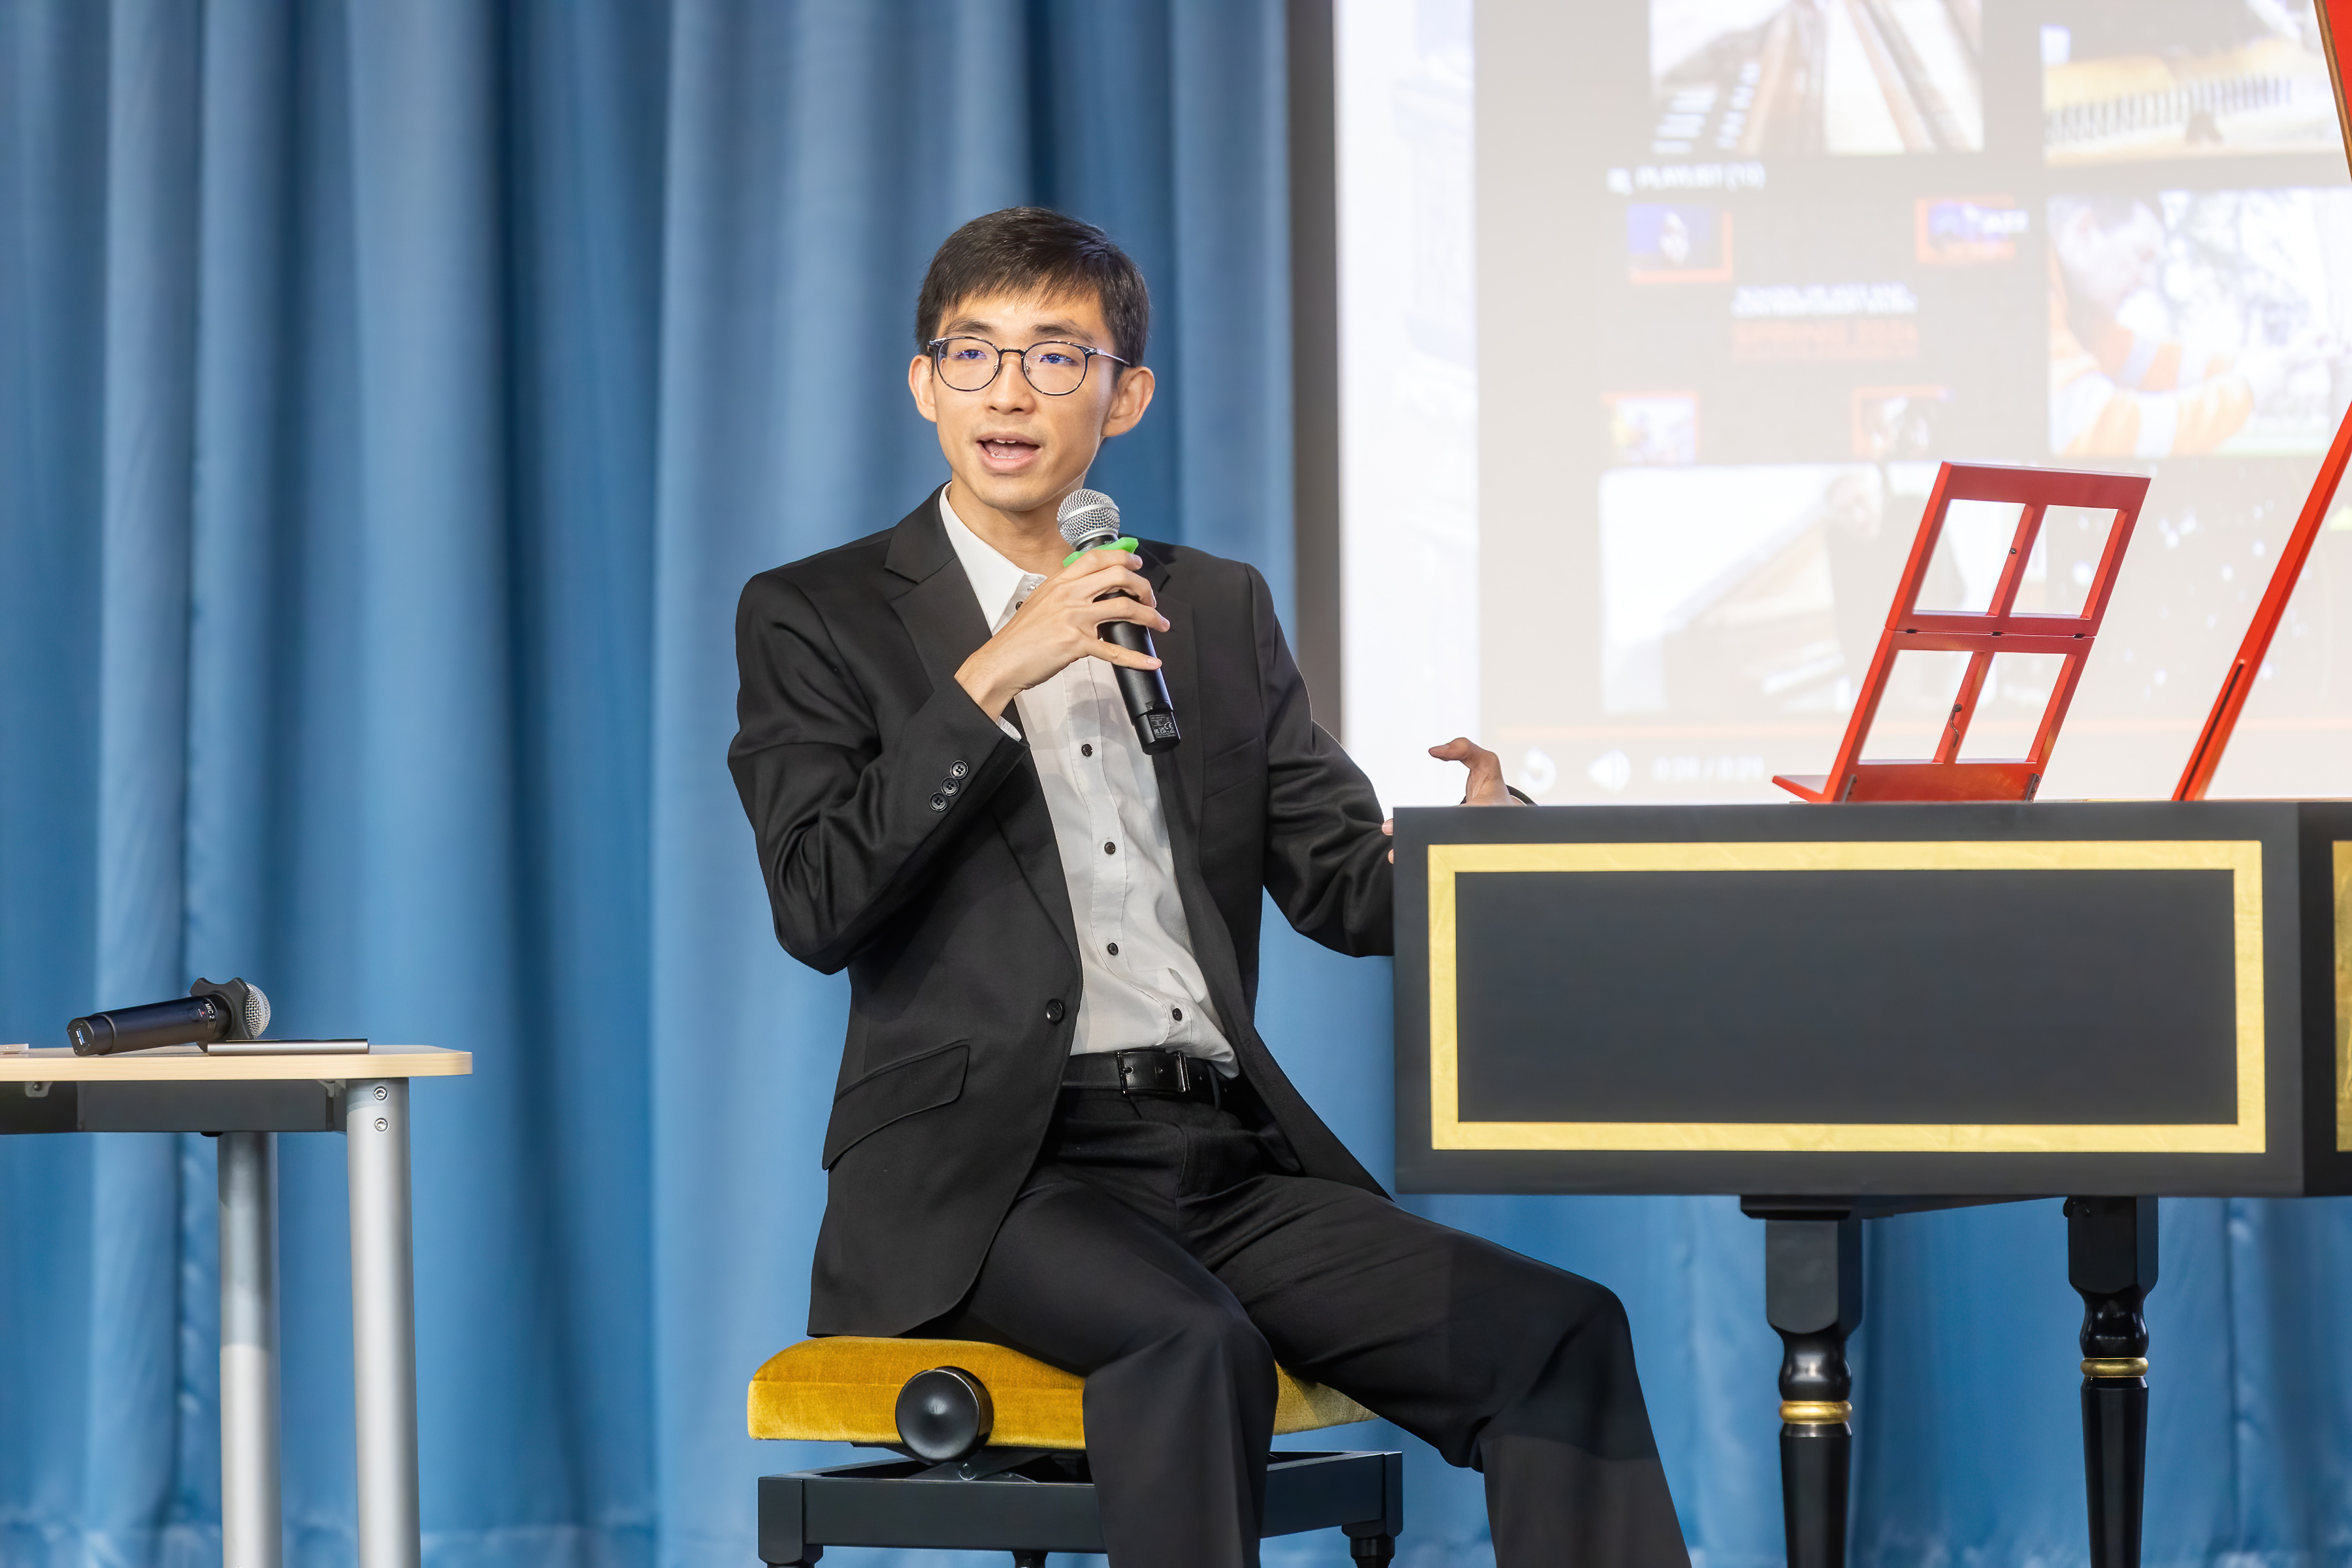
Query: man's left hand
[{"x": 1485, "y": 785}]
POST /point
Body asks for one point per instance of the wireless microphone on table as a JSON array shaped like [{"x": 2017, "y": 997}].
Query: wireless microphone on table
[
  {"x": 235, "y": 1010},
  {"x": 1089, "y": 519}
]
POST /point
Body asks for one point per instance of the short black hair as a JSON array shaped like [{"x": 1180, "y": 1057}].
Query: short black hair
[{"x": 1037, "y": 250}]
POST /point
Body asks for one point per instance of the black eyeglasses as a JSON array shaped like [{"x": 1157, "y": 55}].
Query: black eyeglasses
[{"x": 1058, "y": 370}]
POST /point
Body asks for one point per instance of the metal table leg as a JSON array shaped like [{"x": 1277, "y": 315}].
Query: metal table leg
[
  {"x": 252, "y": 1527},
  {"x": 384, "y": 1320}
]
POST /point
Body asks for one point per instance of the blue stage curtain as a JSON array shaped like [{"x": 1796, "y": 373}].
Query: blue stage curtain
[{"x": 392, "y": 399}]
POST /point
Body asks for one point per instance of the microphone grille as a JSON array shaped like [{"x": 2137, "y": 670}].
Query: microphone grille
[
  {"x": 256, "y": 1011},
  {"x": 1087, "y": 514}
]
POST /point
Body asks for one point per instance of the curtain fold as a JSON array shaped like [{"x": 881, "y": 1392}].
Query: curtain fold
[{"x": 395, "y": 395}]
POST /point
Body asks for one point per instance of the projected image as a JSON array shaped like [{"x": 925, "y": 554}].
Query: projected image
[
  {"x": 1953, "y": 231},
  {"x": 2185, "y": 322},
  {"x": 1712, "y": 355},
  {"x": 2124, "y": 79},
  {"x": 1751, "y": 591},
  {"x": 2206, "y": 542},
  {"x": 1753, "y": 77},
  {"x": 1816, "y": 321},
  {"x": 1898, "y": 423},
  {"x": 1652, "y": 427},
  {"x": 1677, "y": 244}
]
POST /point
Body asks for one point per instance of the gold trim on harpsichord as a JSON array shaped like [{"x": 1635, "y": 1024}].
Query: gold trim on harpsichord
[
  {"x": 2115, "y": 1366},
  {"x": 1816, "y": 1412},
  {"x": 2242, "y": 858},
  {"x": 2343, "y": 906}
]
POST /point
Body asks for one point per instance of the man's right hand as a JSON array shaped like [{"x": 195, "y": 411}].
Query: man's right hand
[{"x": 1054, "y": 628}]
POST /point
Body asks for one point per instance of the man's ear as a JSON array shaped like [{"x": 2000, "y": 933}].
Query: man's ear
[
  {"x": 1128, "y": 401},
  {"x": 918, "y": 382}
]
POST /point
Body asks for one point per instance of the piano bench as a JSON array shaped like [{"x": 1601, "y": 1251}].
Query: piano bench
[{"x": 991, "y": 1448}]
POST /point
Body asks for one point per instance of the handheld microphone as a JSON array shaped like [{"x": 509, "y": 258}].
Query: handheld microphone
[
  {"x": 233, "y": 1010},
  {"x": 1089, "y": 519}
]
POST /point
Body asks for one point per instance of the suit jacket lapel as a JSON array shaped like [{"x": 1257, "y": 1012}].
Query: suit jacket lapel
[
  {"x": 1180, "y": 665},
  {"x": 936, "y": 603},
  {"x": 1183, "y": 773},
  {"x": 943, "y": 620}
]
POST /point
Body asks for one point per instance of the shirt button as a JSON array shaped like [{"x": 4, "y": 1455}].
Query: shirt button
[
  {"x": 1114, "y": 950},
  {"x": 1109, "y": 847},
  {"x": 1087, "y": 749},
  {"x": 1178, "y": 1013},
  {"x": 1055, "y": 1011}
]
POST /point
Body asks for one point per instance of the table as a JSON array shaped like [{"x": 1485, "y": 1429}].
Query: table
[{"x": 247, "y": 1101}]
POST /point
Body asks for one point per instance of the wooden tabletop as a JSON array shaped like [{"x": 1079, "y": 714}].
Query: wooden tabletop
[{"x": 181, "y": 1064}]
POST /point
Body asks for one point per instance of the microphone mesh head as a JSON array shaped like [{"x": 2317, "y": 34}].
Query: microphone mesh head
[
  {"x": 256, "y": 1011},
  {"x": 1086, "y": 515}
]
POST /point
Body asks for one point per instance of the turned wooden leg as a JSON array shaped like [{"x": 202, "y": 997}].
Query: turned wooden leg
[
  {"x": 1813, "y": 1296},
  {"x": 2111, "y": 1263}
]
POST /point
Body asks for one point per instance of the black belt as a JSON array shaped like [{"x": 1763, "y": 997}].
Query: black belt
[{"x": 1147, "y": 1071}]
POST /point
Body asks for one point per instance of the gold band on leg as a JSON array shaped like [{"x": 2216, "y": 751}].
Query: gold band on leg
[
  {"x": 1816, "y": 1412},
  {"x": 2119, "y": 1366}
]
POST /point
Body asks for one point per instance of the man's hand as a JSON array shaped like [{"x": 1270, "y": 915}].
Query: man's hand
[
  {"x": 1054, "y": 628},
  {"x": 1485, "y": 785}
]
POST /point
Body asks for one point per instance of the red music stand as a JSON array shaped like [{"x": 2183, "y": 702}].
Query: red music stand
[{"x": 1999, "y": 628}]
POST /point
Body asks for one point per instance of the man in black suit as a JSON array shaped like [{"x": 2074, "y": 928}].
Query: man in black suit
[{"x": 1055, "y": 1127}]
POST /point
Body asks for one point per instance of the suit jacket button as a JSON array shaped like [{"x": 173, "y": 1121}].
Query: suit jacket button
[
  {"x": 957, "y": 770},
  {"x": 939, "y": 803},
  {"x": 1055, "y": 1011}
]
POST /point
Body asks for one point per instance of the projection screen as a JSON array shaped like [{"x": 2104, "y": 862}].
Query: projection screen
[{"x": 1657, "y": 315}]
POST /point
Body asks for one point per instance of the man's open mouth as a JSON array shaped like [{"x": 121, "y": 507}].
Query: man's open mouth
[{"x": 1007, "y": 449}]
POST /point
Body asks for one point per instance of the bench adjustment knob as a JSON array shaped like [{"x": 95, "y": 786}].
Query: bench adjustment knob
[{"x": 944, "y": 1414}]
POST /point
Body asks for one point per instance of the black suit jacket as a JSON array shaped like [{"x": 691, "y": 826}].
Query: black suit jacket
[{"x": 905, "y": 836}]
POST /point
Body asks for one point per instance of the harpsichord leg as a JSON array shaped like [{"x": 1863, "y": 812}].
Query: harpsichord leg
[
  {"x": 1812, "y": 1295},
  {"x": 2111, "y": 1262}
]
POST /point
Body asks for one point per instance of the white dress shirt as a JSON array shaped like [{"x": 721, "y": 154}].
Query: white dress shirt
[{"x": 1142, "y": 984}]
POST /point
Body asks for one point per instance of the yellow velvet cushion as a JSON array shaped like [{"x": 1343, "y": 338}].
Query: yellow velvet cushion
[{"x": 846, "y": 1391}]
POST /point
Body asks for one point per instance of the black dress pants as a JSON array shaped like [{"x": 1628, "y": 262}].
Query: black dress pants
[{"x": 1160, "y": 1251}]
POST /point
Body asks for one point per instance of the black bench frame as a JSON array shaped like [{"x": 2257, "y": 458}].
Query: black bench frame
[{"x": 1030, "y": 1501}]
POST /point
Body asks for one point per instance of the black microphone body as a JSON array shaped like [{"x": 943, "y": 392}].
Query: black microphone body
[
  {"x": 208, "y": 1013},
  {"x": 185, "y": 1021},
  {"x": 1145, "y": 691},
  {"x": 1090, "y": 519}
]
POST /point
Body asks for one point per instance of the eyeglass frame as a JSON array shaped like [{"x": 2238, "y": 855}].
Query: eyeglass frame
[{"x": 932, "y": 352}]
